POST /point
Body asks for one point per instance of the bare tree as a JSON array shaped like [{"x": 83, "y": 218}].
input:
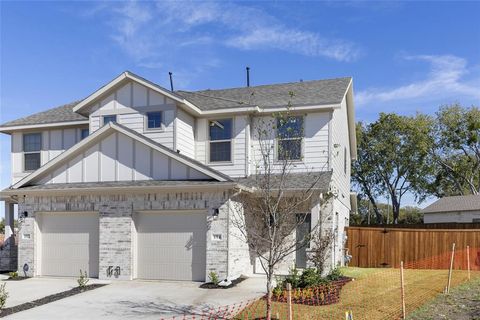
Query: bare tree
[{"x": 268, "y": 212}]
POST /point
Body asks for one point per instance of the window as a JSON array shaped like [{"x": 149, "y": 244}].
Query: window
[
  {"x": 220, "y": 134},
  {"x": 32, "y": 144},
  {"x": 84, "y": 133},
  {"x": 154, "y": 120},
  {"x": 111, "y": 118},
  {"x": 289, "y": 137}
]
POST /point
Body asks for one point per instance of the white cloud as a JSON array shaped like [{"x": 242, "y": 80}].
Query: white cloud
[
  {"x": 163, "y": 33},
  {"x": 446, "y": 78}
]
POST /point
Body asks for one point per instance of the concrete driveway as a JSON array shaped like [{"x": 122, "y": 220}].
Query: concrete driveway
[{"x": 139, "y": 299}]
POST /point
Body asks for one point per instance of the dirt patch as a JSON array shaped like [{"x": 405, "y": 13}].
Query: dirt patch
[
  {"x": 463, "y": 303},
  {"x": 51, "y": 298},
  {"x": 210, "y": 285}
]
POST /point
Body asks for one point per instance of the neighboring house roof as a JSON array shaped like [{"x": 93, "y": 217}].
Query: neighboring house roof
[
  {"x": 105, "y": 131},
  {"x": 454, "y": 204},
  {"x": 317, "y": 92},
  {"x": 293, "y": 181},
  {"x": 62, "y": 113}
]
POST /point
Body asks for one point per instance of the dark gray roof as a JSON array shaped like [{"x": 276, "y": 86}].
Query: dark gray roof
[
  {"x": 454, "y": 204},
  {"x": 293, "y": 181},
  {"x": 317, "y": 92},
  {"x": 122, "y": 184},
  {"x": 59, "y": 114}
]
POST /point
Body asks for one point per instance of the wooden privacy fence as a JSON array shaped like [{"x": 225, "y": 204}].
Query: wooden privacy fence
[{"x": 387, "y": 247}]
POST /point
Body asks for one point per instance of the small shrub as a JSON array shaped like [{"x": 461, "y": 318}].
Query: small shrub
[
  {"x": 293, "y": 278},
  {"x": 83, "y": 279},
  {"x": 335, "y": 274},
  {"x": 13, "y": 275},
  {"x": 214, "y": 278},
  {"x": 3, "y": 296}
]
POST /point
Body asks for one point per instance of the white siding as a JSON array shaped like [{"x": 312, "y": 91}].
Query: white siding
[
  {"x": 315, "y": 143},
  {"x": 451, "y": 217},
  {"x": 185, "y": 124},
  {"x": 237, "y": 167},
  {"x": 340, "y": 152},
  {"x": 130, "y": 103},
  {"x": 122, "y": 160},
  {"x": 54, "y": 142}
]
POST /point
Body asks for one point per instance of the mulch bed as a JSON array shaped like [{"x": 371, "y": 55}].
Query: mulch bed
[
  {"x": 210, "y": 285},
  {"x": 51, "y": 298},
  {"x": 16, "y": 279},
  {"x": 324, "y": 294}
]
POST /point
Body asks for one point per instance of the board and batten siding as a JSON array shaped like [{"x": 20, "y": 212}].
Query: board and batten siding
[
  {"x": 54, "y": 142},
  {"x": 120, "y": 158},
  {"x": 235, "y": 168},
  {"x": 185, "y": 136},
  {"x": 315, "y": 143},
  {"x": 130, "y": 103}
]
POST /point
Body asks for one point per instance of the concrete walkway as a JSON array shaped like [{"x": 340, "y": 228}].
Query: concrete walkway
[{"x": 142, "y": 300}]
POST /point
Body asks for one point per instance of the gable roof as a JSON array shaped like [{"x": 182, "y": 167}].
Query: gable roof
[
  {"x": 105, "y": 131},
  {"x": 59, "y": 114},
  {"x": 306, "y": 93},
  {"x": 454, "y": 204}
]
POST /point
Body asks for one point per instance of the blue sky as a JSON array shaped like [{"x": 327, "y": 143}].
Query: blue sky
[{"x": 404, "y": 56}]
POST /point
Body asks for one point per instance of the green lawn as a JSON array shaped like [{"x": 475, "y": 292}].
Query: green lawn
[{"x": 374, "y": 294}]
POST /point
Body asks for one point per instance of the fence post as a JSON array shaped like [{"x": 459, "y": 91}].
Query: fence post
[
  {"x": 402, "y": 282},
  {"x": 468, "y": 262},
  {"x": 289, "y": 300},
  {"x": 451, "y": 268}
]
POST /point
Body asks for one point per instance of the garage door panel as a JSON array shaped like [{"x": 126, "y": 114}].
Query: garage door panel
[
  {"x": 171, "y": 246},
  {"x": 69, "y": 242}
]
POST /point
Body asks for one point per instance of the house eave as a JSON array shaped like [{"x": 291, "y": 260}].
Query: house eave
[{"x": 11, "y": 129}]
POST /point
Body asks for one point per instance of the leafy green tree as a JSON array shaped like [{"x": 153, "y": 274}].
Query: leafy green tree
[
  {"x": 455, "y": 156},
  {"x": 392, "y": 159}
]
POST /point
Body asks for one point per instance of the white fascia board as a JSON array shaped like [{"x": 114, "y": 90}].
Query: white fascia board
[
  {"x": 352, "y": 133},
  {"x": 170, "y": 154},
  {"x": 42, "y": 125},
  {"x": 135, "y": 78},
  {"x": 269, "y": 110},
  {"x": 77, "y": 147}
]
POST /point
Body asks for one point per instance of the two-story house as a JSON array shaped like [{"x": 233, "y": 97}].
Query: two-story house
[{"x": 135, "y": 180}]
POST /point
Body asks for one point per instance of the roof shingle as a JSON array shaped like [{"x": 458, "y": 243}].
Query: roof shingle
[{"x": 454, "y": 204}]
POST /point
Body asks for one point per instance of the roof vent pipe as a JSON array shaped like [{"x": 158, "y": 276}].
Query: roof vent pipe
[
  {"x": 171, "y": 81},
  {"x": 248, "y": 76}
]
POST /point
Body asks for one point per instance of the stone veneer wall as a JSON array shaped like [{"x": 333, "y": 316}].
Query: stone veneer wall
[
  {"x": 8, "y": 255},
  {"x": 116, "y": 224}
]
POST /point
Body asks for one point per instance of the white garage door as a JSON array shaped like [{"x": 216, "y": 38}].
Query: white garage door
[
  {"x": 171, "y": 246},
  {"x": 69, "y": 242}
]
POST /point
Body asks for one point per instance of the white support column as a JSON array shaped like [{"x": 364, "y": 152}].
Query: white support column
[{"x": 8, "y": 220}]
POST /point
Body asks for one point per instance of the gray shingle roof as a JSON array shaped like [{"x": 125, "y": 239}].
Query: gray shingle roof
[
  {"x": 122, "y": 184},
  {"x": 454, "y": 204},
  {"x": 317, "y": 92},
  {"x": 59, "y": 114},
  {"x": 294, "y": 181}
]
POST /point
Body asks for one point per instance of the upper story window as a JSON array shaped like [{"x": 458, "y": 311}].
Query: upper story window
[
  {"x": 32, "y": 144},
  {"x": 154, "y": 120},
  {"x": 290, "y": 135},
  {"x": 110, "y": 118},
  {"x": 84, "y": 133},
  {"x": 220, "y": 135}
]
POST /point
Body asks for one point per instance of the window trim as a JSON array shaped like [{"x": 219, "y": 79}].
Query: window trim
[
  {"x": 231, "y": 140},
  {"x": 109, "y": 115},
  {"x": 31, "y": 152},
  {"x": 145, "y": 122},
  {"x": 302, "y": 142}
]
